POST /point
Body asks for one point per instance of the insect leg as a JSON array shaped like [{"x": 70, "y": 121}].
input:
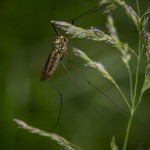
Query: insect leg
[
  {"x": 94, "y": 9},
  {"x": 70, "y": 76},
  {"x": 60, "y": 109},
  {"x": 100, "y": 91},
  {"x": 57, "y": 33}
]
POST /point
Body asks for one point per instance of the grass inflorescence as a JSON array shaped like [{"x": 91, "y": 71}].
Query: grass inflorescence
[{"x": 126, "y": 54}]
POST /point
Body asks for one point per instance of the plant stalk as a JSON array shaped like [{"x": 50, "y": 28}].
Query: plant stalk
[
  {"x": 128, "y": 130},
  {"x": 133, "y": 99},
  {"x": 138, "y": 8}
]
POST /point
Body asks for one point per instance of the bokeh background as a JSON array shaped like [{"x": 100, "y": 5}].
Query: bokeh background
[{"x": 88, "y": 119}]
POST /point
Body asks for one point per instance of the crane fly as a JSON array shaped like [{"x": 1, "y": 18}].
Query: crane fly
[
  {"x": 56, "y": 55},
  {"x": 57, "y": 52},
  {"x": 60, "y": 45}
]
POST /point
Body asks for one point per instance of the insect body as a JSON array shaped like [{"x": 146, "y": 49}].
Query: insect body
[
  {"x": 55, "y": 57},
  {"x": 58, "y": 50}
]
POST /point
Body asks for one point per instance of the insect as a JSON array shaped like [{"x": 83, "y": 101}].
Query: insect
[
  {"x": 56, "y": 55},
  {"x": 57, "y": 52},
  {"x": 60, "y": 46}
]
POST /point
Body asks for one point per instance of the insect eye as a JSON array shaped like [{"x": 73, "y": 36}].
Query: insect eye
[{"x": 66, "y": 40}]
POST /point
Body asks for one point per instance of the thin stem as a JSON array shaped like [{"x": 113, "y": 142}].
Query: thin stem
[
  {"x": 130, "y": 78},
  {"x": 128, "y": 131},
  {"x": 122, "y": 95},
  {"x": 141, "y": 94},
  {"x": 137, "y": 68},
  {"x": 137, "y": 72},
  {"x": 147, "y": 12},
  {"x": 138, "y": 8},
  {"x": 136, "y": 81},
  {"x": 139, "y": 101},
  {"x": 133, "y": 97},
  {"x": 142, "y": 49}
]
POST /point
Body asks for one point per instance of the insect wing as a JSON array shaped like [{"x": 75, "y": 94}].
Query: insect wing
[{"x": 52, "y": 62}]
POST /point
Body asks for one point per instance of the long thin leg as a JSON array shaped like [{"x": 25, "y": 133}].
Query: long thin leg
[
  {"x": 70, "y": 76},
  {"x": 60, "y": 109},
  {"x": 57, "y": 33},
  {"x": 100, "y": 91},
  {"x": 94, "y": 9}
]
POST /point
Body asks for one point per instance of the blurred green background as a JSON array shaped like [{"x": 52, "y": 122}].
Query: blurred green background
[{"x": 88, "y": 119}]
